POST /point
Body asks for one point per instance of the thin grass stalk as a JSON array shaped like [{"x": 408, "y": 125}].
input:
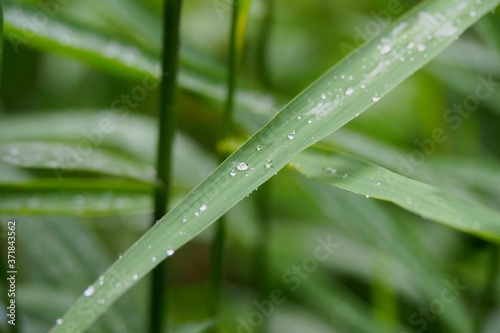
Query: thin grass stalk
[
  {"x": 217, "y": 254},
  {"x": 1, "y": 43},
  {"x": 262, "y": 46},
  {"x": 261, "y": 252},
  {"x": 166, "y": 129},
  {"x": 262, "y": 197},
  {"x": 487, "y": 300}
]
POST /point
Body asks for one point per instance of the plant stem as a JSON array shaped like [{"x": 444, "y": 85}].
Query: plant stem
[
  {"x": 1, "y": 42},
  {"x": 487, "y": 299},
  {"x": 261, "y": 252},
  {"x": 166, "y": 130},
  {"x": 232, "y": 72},
  {"x": 217, "y": 254},
  {"x": 262, "y": 48}
]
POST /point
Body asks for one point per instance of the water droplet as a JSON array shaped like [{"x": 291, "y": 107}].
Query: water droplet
[
  {"x": 342, "y": 76},
  {"x": 363, "y": 86},
  {"x": 349, "y": 91},
  {"x": 101, "y": 280},
  {"x": 350, "y": 77},
  {"x": 472, "y": 14},
  {"x": 258, "y": 148},
  {"x": 378, "y": 184},
  {"x": 184, "y": 220},
  {"x": 153, "y": 259},
  {"x": 386, "y": 48},
  {"x": 232, "y": 173},
  {"x": 345, "y": 175},
  {"x": 203, "y": 208},
  {"x": 268, "y": 164},
  {"x": 375, "y": 99},
  {"x": 242, "y": 166},
  {"x": 421, "y": 47},
  {"x": 170, "y": 252},
  {"x": 411, "y": 45},
  {"x": 331, "y": 170},
  {"x": 291, "y": 136},
  {"x": 59, "y": 321},
  {"x": 135, "y": 277},
  {"x": 89, "y": 291},
  {"x": 367, "y": 196},
  {"x": 299, "y": 117},
  {"x": 323, "y": 96}
]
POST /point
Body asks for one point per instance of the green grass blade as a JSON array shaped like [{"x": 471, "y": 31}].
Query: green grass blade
[
  {"x": 65, "y": 158},
  {"x": 376, "y": 182},
  {"x": 330, "y": 102},
  {"x": 74, "y": 197}
]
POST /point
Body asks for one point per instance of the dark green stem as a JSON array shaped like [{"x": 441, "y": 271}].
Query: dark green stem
[
  {"x": 217, "y": 255},
  {"x": 232, "y": 73},
  {"x": 262, "y": 197},
  {"x": 1, "y": 42},
  {"x": 261, "y": 253},
  {"x": 166, "y": 130},
  {"x": 217, "y": 268},
  {"x": 263, "y": 38},
  {"x": 488, "y": 299}
]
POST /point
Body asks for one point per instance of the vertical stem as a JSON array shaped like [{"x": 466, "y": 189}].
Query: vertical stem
[
  {"x": 166, "y": 130},
  {"x": 262, "y": 197},
  {"x": 488, "y": 299},
  {"x": 1, "y": 43},
  {"x": 261, "y": 252},
  {"x": 238, "y": 24},
  {"x": 262, "y": 49},
  {"x": 232, "y": 72}
]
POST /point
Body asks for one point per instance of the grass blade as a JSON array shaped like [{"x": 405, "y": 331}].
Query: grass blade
[
  {"x": 74, "y": 197},
  {"x": 376, "y": 182},
  {"x": 330, "y": 102},
  {"x": 66, "y": 158}
]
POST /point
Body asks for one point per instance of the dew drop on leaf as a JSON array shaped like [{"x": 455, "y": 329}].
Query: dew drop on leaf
[
  {"x": 268, "y": 164},
  {"x": 386, "y": 48},
  {"x": 89, "y": 291},
  {"x": 242, "y": 166}
]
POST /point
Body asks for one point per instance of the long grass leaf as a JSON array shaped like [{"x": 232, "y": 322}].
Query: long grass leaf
[{"x": 376, "y": 182}]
